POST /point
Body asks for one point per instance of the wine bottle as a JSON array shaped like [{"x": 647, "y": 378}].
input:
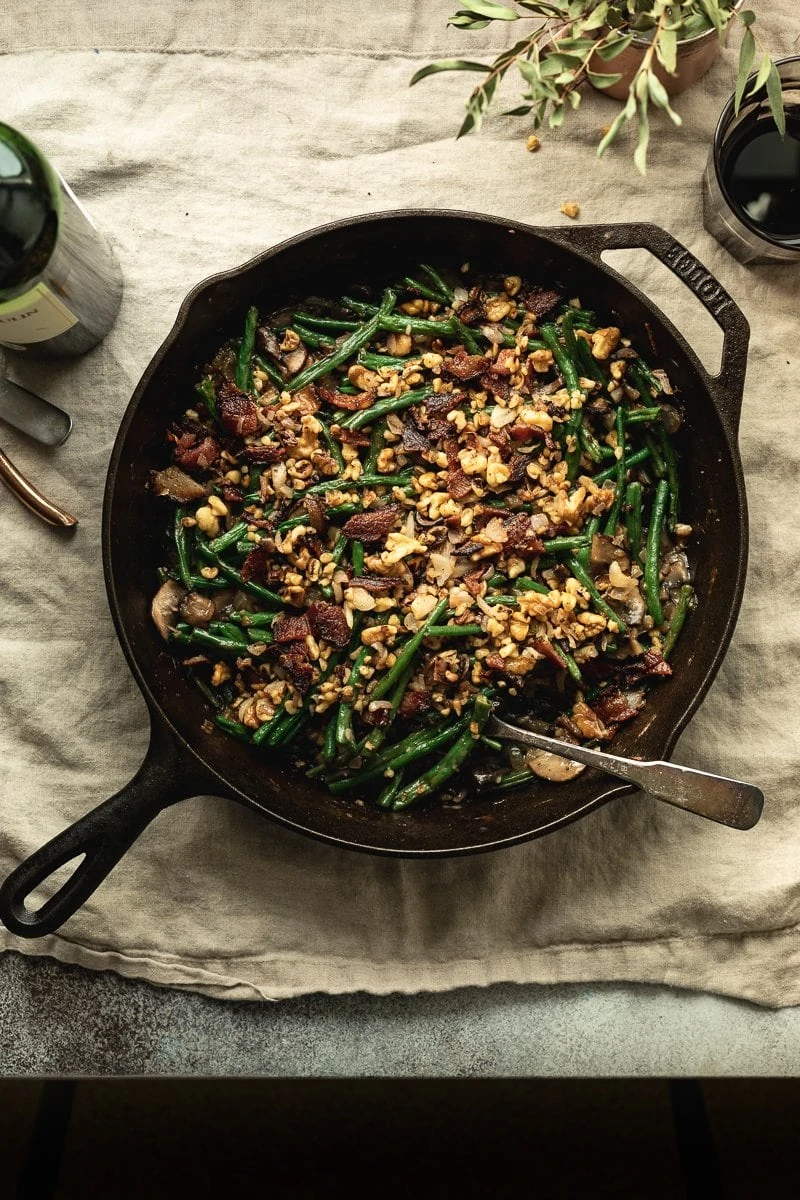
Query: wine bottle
[{"x": 60, "y": 283}]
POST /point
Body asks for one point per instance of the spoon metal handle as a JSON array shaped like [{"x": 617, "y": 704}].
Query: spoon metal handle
[
  {"x": 31, "y": 497},
  {"x": 727, "y": 801}
]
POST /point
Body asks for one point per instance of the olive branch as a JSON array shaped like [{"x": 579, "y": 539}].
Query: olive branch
[{"x": 574, "y": 37}]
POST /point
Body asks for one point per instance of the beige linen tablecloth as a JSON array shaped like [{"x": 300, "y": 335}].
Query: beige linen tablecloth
[{"x": 198, "y": 134}]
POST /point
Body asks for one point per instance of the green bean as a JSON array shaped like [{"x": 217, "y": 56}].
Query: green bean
[
  {"x": 293, "y": 522},
  {"x": 504, "y": 601},
  {"x": 263, "y": 732},
  {"x": 357, "y": 557},
  {"x": 569, "y": 662},
  {"x": 455, "y": 631},
  {"x": 633, "y": 505},
  {"x": 512, "y": 779},
  {"x": 376, "y": 443},
  {"x": 406, "y": 655},
  {"x": 650, "y": 379},
  {"x": 312, "y": 340},
  {"x": 558, "y": 544},
  {"x": 236, "y": 728},
  {"x": 346, "y": 485},
  {"x": 334, "y": 448},
  {"x": 393, "y": 785},
  {"x": 523, "y": 583},
  {"x": 652, "y": 582},
  {"x": 590, "y": 530},
  {"x": 619, "y": 486},
  {"x": 678, "y": 618},
  {"x": 564, "y": 363},
  {"x": 339, "y": 547},
  {"x": 209, "y": 693},
  {"x": 288, "y": 729},
  {"x": 467, "y": 336},
  {"x": 244, "y": 366},
  {"x": 492, "y": 743},
  {"x": 450, "y": 763},
  {"x": 218, "y": 544},
  {"x": 568, "y": 334},
  {"x": 337, "y": 324},
  {"x": 205, "y": 388},
  {"x": 443, "y": 289},
  {"x": 671, "y": 467},
  {"x": 374, "y": 362},
  {"x": 198, "y": 583},
  {"x": 395, "y": 757},
  {"x": 182, "y": 546},
  {"x": 590, "y": 444},
  {"x": 584, "y": 578},
  {"x": 329, "y": 746},
  {"x": 354, "y": 341},
  {"x": 588, "y": 363},
  {"x": 400, "y": 323},
  {"x": 271, "y": 371},
  {"x": 223, "y": 645},
  {"x": 632, "y": 460},
  {"x": 227, "y": 629},
  {"x": 253, "y": 620},
  {"x": 344, "y": 717},
  {"x": 421, "y": 289},
  {"x": 388, "y": 404},
  {"x": 637, "y": 416},
  {"x": 231, "y": 573}
]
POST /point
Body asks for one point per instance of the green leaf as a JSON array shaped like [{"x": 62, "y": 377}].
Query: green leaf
[
  {"x": 659, "y": 96},
  {"x": 461, "y": 21},
  {"x": 747, "y": 53},
  {"x": 622, "y": 116},
  {"x": 574, "y": 98},
  {"x": 775, "y": 93},
  {"x": 487, "y": 8},
  {"x": 640, "y": 153},
  {"x": 446, "y": 64},
  {"x": 597, "y": 18},
  {"x": 712, "y": 14},
  {"x": 602, "y": 81},
  {"x": 747, "y": 17},
  {"x": 612, "y": 49},
  {"x": 557, "y": 116},
  {"x": 521, "y": 111},
  {"x": 764, "y": 68},
  {"x": 667, "y": 50}
]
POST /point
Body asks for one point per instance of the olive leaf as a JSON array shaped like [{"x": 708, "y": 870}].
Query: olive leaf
[{"x": 561, "y": 54}]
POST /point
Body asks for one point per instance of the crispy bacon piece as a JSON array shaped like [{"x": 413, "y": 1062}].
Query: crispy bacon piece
[
  {"x": 647, "y": 664},
  {"x": 415, "y": 701},
  {"x": 291, "y": 627},
  {"x": 237, "y": 411},
  {"x": 232, "y": 494},
  {"x": 463, "y": 366},
  {"x": 371, "y": 526},
  {"x": 353, "y": 437},
  {"x": 542, "y": 646},
  {"x": 256, "y": 563},
  {"x": 498, "y": 385},
  {"x": 176, "y": 484},
  {"x": 520, "y": 536},
  {"x": 538, "y": 300},
  {"x": 473, "y": 582},
  {"x": 354, "y": 403},
  {"x": 459, "y": 484},
  {"x": 442, "y": 402},
  {"x": 297, "y": 666},
  {"x": 194, "y": 454},
  {"x": 414, "y": 439},
  {"x": 495, "y": 663},
  {"x": 373, "y": 583},
  {"x": 328, "y": 621},
  {"x": 504, "y": 363},
  {"x": 613, "y": 707},
  {"x": 263, "y": 455}
]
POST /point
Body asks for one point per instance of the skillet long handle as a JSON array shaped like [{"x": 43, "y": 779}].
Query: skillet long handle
[
  {"x": 727, "y": 387},
  {"x": 728, "y": 801},
  {"x": 102, "y": 837}
]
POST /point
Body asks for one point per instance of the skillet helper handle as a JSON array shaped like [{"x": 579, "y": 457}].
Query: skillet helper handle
[
  {"x": 31, "y": 497},
  {"x": 727, "y": 388},
  {"x": 102, "y": 836}
]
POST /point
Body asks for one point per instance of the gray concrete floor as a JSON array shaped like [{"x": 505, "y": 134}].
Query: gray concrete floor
[{"x": 57, "y": 1020}]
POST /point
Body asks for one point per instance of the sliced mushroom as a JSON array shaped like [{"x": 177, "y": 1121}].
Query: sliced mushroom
[
  {"x": 196, "y": 609},
  {"x": 552, "y": 766},
  {"x": 671, "y": 418},
  {"x": 176, "y": 484},
  {"x": 294, "y": 361},
  {"x": 165, "y": 606},
  {"x": 631, "y": 607},
  {"x": 604, "y": 552},
  {"x": 675, "y": 569}
]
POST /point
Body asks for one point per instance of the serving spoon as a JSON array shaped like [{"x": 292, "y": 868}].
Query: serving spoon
[{"x": 727, "y": 801}]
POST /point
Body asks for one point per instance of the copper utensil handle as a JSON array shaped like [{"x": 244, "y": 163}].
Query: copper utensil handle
[
  {"x": 728, "y": 801},
  {"x": 31, "y": 497}
]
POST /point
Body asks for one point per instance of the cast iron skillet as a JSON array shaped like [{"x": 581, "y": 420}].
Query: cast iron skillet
[{"x": 183, "y": 761}]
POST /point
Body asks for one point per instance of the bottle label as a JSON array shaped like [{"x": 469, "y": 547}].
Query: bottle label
[{"x": 35, "y": 316}]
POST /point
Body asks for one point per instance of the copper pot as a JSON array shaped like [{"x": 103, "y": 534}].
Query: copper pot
[{"x": 695, "y": 56}]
